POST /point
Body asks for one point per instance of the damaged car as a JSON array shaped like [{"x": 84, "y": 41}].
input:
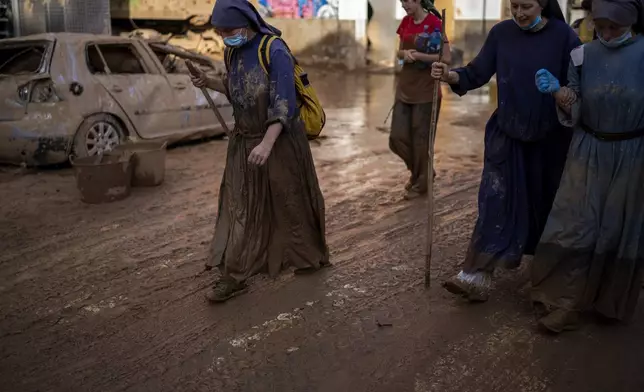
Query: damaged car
[{"x": 82, "y": 94}]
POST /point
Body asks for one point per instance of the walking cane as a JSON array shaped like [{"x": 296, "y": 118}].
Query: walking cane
[
  {"x": 195, "y": 72},
  {"x": 430, "y": 164}
]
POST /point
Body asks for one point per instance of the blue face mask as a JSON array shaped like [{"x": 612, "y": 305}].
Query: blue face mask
[
  {"x": 616, "y": 42},
  {"x": 537, "y": 20},
  {"x": 236, "y": 40}
]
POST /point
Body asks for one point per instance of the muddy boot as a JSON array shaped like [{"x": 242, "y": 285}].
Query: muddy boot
[
  {"x": 560, "y": 320},
  {"x": 225, "y": 289},
  {"x": 474, "y": 287}
]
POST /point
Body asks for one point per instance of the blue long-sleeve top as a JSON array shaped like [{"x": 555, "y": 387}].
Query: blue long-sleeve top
[
  {"x": 247, "y": 82},
  {"x": 515, "y": 56}
]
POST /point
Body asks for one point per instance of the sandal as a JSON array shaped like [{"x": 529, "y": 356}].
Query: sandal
[{"x": 225, "y": 289}]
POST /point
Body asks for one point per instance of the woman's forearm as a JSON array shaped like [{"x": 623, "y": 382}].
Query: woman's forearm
[
  {"x": 272, "y": 133},
  {"x": 425, "y": 57},
  {"x": 216, "y": 84},
  {"x": 452, "y": 78}
]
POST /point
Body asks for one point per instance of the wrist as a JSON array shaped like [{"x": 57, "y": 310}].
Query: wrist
[{"x": 268, "y": 142}]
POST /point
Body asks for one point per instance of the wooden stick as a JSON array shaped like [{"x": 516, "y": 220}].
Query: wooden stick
[
  {"x": 430, "y": 166},
  {"x": 195, "y": 72}
]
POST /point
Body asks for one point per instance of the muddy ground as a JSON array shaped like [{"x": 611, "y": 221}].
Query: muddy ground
[{"x": 111, "y": 297}]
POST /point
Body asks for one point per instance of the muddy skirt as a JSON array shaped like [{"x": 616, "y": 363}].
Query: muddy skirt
[
  {"x": 591, "y": 253},
  {"x": 409, "y": 139},
  {"x": 270, "y": 217},
  {"x": 518, "y": 185}
]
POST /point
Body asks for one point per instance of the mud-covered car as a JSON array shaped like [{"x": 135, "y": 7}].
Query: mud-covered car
[{"x": 80, "y": 94}]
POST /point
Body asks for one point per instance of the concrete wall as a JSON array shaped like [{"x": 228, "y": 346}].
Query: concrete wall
[
  {"x": 323, "y": 41},
  {"x": 469, "y": 36}
]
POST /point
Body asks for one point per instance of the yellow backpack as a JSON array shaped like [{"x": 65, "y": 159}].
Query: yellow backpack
[{"x": 311, "y": 111}]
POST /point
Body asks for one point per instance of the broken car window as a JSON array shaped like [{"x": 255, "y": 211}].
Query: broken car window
[
  {"x": 119, "y": 59},
  {"x": 22, "y": 59}
]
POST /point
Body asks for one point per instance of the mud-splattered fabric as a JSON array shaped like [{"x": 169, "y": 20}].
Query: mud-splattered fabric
[
  {"x": 525, "y": 145},
  {"x": 270, "y": 217},
  {"x": 592, "y": 249},
  {"x": 409, "y": 139}
]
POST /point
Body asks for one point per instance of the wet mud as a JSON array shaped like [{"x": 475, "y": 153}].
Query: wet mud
[{"x": 111, "y": 297}]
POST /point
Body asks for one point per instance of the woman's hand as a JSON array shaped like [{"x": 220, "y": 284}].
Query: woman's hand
[
  {"x": 260, "y": 154},
  {"x": 546, "y": 82},
  {"x": 440, "y": 71},
  {"x": 565, "y": 97},
  {"x": 409, "y": 56},
  {"x": 199, "y": 78}
]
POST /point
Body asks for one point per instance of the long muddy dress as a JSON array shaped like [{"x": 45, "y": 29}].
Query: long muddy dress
[
  {"x": 525, "y": 147},
  {"x": 592, "y": 249},
  {"x": 271, "y": 216}
]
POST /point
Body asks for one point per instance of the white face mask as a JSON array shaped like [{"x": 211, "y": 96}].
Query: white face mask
[{"x": 616, "y": 42}]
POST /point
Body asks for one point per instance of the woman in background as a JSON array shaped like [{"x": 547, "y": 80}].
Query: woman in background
[
  {"x": 525, "y": 145},
  {"x": 585, "y": 27},
  {"x": 411, "y": 119}
]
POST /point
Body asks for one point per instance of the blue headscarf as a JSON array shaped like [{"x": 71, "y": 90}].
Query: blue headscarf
[{"x": 235, "y": 14}]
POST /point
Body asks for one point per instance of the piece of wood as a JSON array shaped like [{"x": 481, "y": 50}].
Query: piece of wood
[
  {"x": 430, "y": 166},
  {"x": 195, "y": 72}
]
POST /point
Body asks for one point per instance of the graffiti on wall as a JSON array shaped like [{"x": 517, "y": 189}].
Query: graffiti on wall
[{"x": 299, "y": 9}]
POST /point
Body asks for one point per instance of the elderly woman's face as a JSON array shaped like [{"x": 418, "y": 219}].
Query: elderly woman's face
[
  {"x": 525, "y": 11},
  {"x": 610, "y": 30}
]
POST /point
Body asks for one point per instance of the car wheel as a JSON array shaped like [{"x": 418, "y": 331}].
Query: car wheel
[{"x": 98, "y": 134}]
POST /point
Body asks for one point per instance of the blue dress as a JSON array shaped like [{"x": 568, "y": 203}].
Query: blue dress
[
  {"x": 272, "y": 216},
  {"x": 525, "y": 145},
  {"x": 592, "y": 250}
]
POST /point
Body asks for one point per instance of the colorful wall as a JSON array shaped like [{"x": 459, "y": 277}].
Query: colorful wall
[{"x": 299, "y": 9}]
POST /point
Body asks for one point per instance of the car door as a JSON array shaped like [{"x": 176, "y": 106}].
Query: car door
[
  {"x": 137, "y": 86},
  {"x": 197, "y": 116}
]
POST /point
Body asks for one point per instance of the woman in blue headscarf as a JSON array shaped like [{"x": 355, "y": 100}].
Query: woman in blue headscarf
[
  {"x": 591, "y": 254},
  {"x": 271, "y": 209}
]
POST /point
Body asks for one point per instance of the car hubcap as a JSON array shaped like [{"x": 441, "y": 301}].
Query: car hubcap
[{"x": 101, "y": 137}]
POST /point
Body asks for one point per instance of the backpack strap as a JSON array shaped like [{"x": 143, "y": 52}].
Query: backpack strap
[
  {"x": 264, "y": 52},
  {"x": 228, "y": 56}
]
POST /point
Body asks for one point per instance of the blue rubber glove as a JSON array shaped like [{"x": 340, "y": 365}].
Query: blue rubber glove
[{"x": 546, "y": 82}]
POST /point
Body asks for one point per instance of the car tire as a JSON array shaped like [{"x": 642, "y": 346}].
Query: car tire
[{"x": 97, "y": 133}]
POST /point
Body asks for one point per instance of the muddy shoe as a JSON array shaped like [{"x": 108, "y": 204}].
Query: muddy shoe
[
  {"x": 473, "y": 287},
  {"x": 559, "y": 321},
  {"x": 224, "y": 290}
]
